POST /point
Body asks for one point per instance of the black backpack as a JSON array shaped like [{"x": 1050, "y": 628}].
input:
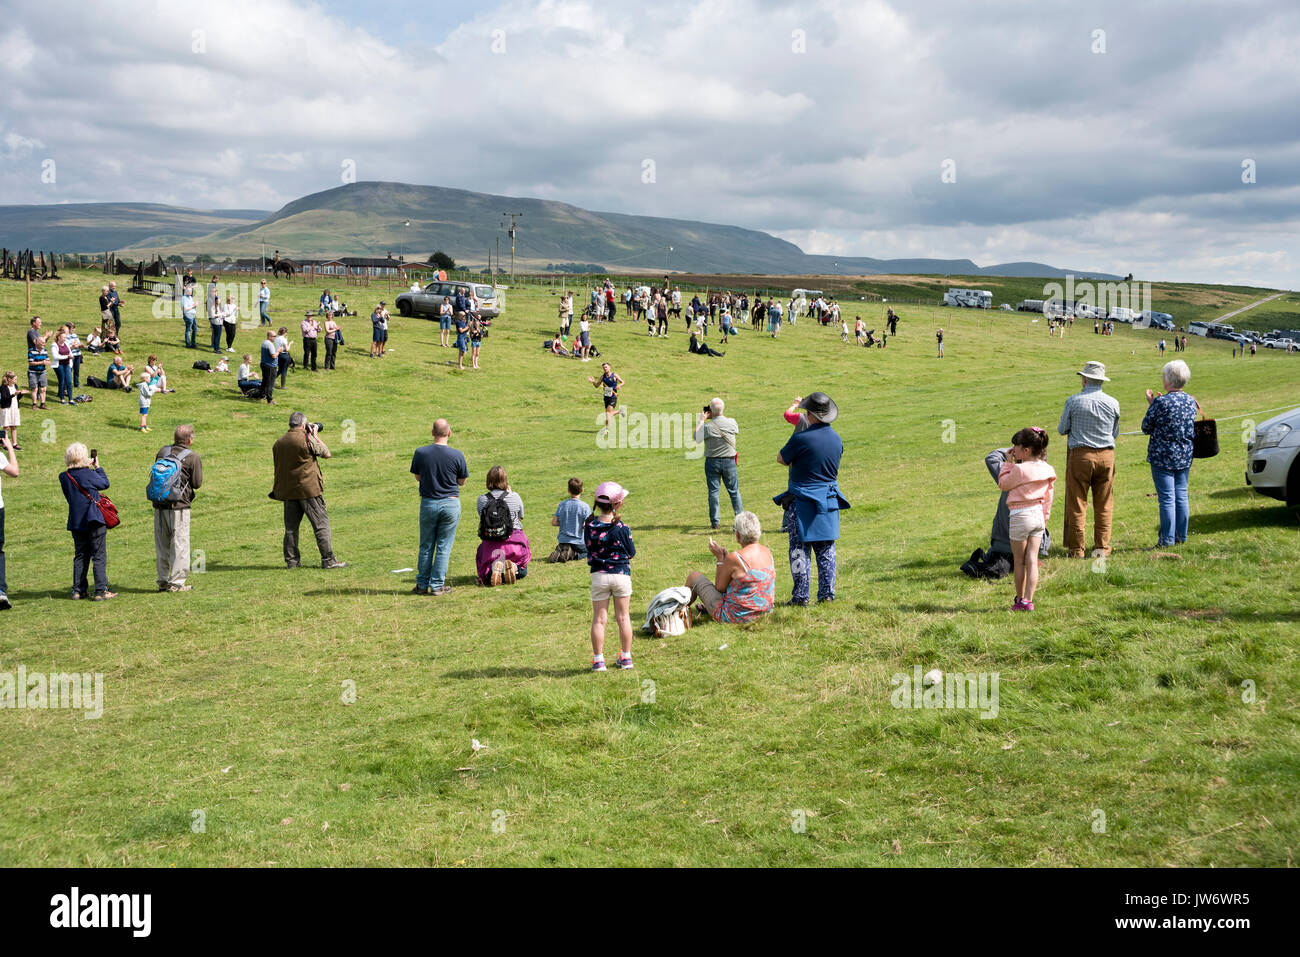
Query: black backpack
[
  {"x": 495, "y": 522},
  {"x": 203, "y": 365}
]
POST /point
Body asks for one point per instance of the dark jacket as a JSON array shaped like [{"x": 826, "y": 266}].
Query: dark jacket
[
  {"x": 297, "y": 473},
  {"x": 1000, "y": 539},
  {"x": 81, "y": 514},
  {"x": 191, "y": 471}
]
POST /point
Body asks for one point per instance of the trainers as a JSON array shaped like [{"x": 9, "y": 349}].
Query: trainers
[
  {"x": 1018, "y": 604},
  {"x": 598, "y": 664},
  {"x": 511, "y": 573},
  {"x": 498, "y": 570},
  {"x": 625, "y": 663},
  {"x": 798, "y": 602},
  {"x": 417, "y": 590},
  {"x": 334, "y": 563},
  {"x": 5, "y": 604},
  {"x": 175, "y": 588},
  {"x": 105, "y": 595},
  {"x": 439, "y": 592},
  {"x": 1026, "y": 605}
]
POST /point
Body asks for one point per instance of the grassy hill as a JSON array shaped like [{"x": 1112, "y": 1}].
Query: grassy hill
[
  {"x": 366, "y": 219},
  {"x": 104, "y": 227},
  {"x": 1122, "y": 694}
]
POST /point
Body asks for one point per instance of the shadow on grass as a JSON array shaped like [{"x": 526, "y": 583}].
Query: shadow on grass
[
  {"x": 503, "y": 672},
  {"x": 1265, "y": 517}
]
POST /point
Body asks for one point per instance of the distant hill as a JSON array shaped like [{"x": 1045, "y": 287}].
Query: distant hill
[
  {"x": 366, "y": 219},
  {"x": 104, "y": 227}
]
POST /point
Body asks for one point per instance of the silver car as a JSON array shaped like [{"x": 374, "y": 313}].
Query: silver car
[
  {"x": 1273, "y": 458},
  {"x": 427, "y": 303}
]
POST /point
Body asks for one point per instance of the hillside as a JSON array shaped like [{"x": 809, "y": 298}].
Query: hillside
[
  {"x": 367, "y": 219},
  {"x": 101, "y": 227}
]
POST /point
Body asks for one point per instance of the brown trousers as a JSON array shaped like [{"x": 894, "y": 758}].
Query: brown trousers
[{"x": 1088, "y": 470}]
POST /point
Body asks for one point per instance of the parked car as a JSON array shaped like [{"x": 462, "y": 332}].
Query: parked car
[
  {"x": 1273, "y": 458},
  {"x": 428, "y": 300},
  {"x": 1278, "y": 343}
]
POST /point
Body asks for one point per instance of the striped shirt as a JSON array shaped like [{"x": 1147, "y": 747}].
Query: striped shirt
[{"x": 1090, "y": 419}]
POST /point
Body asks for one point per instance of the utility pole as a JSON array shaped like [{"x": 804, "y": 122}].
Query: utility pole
[
  {"x": 511, "y": 229},
  {"x": 498, "y": 258}
]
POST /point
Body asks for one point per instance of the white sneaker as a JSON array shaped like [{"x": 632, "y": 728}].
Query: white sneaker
[{"x": 230, "y": 350}]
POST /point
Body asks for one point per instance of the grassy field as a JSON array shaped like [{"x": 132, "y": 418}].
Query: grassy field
[{"x": 1122, "y": 696}]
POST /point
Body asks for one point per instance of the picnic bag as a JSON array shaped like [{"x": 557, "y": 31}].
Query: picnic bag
[
  {"x": 100, "y": 501},
  {"x": 1205, "y": 437}
]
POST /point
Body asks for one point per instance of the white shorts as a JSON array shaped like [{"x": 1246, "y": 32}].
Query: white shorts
[
  {"x": 1026, "y": 522},
  {"x": 606, "y": 585}
]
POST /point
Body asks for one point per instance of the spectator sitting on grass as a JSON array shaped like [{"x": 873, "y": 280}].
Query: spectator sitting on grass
[
  {"x": 570, "y": 515},
  {"x": 744, "y": 584}
]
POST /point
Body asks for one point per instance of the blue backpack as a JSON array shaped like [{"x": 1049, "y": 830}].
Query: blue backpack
[{"x": 166, "y": 480}]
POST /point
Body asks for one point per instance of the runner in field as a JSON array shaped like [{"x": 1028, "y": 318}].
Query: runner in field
[{"x": 611, "y": 382}]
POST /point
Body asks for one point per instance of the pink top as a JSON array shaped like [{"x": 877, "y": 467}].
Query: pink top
[
  {"x": 1028, "y": 483},
  {"x": 793, "y": 415}
]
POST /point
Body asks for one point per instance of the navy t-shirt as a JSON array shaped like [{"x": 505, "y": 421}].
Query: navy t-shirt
[
  {"x": 440, "y": 468},
  {"x": 813, "y": 455}
]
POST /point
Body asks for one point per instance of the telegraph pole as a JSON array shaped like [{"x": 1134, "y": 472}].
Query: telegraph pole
[{"x": 511, "y": 229}]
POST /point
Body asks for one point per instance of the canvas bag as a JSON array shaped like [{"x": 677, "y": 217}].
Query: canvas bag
[{"x": 669, "y": 613}]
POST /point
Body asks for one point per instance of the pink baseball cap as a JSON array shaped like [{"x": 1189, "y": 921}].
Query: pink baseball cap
[{"x": 610, "y": 492}]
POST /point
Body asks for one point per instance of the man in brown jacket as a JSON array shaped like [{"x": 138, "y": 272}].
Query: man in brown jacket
[
  {"x": 300, "y": 485},
  {"x": 171, "y": 519}
]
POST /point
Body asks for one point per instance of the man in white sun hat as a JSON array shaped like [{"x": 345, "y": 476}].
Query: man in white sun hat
[{"x": 1090, "y": 421}]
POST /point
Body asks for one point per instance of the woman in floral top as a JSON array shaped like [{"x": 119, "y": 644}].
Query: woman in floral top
[
  {"x": 744, "y": 588},
  {"x": 1169, "y": 422}
]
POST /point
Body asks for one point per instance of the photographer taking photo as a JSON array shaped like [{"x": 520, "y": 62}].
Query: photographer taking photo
[
  {"x": 300, "y": 485},
  {"x": 719, "y": 433}
]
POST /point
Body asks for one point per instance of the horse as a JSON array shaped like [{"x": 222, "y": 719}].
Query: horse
[{"x": 283, "y": 266}]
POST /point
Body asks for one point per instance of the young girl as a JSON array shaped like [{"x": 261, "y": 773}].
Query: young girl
[
  {"x": 10, "y": 418},
  {"x": 844, "y": 331},
  {"x": 1028, "y": 481},
  {"x": 475, "y": 338},
  {"x": 939, "y": 336},
  {"x": 96, "y": 341},
  {"x": 610, "y": 550}
]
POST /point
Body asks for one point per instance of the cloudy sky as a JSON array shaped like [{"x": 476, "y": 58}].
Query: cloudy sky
[{"x": 1103, "y": 136}]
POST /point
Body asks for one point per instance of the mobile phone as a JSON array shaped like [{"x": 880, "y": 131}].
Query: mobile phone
[{"x": 94, "y": 454}]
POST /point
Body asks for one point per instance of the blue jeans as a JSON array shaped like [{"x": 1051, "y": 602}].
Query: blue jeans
[
  {"x": 266, "y": 320},
  {"x": 191, "y": 332},
  {"x": 438, "y": 520},
  {"x": 1171, "y": 494},
  {"x": 722, "y": 472},
  {"x": 64, "y": 374}
]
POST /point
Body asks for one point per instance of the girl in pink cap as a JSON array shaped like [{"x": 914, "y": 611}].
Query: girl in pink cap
[
  {"x": 1028, "y": 481},
  {"x": 609, "y": 555}
]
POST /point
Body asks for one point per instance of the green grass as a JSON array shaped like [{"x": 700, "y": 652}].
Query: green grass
[{"x": 1122, "y": 693}]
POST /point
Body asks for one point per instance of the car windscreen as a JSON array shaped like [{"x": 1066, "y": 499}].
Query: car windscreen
[{"x": 485, "y": 292}]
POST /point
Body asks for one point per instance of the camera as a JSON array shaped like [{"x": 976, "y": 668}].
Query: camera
[{"x": 316, "y": 426}]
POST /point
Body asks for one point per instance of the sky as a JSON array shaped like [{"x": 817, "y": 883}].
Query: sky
[{"x": 1159, "y": 138}]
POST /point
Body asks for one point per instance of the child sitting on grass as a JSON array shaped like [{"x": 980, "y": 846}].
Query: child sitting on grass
[
  {"x": 1028, "y": 481},
  {"x": 570, "y": 516},
  {"x": 610, "y": 550}
]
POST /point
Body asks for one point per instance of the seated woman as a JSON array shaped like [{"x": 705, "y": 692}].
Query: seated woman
[
  {"x": 96, "y": 341},
  {"x": 698, "y": 346},
  {"x": 247, "y": 384},
  {"x": 153, "y": 371},
  {"x": 502, "y": 560},
  {"x": 557, "y": 346},
  {"x": 744, "y": 586}
]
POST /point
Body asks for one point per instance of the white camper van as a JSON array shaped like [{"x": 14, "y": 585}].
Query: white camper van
[{"x": 970, "y": 298}]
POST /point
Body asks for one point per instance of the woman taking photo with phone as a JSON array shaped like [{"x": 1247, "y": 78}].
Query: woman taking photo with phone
[{"x": 81, "y": 483}]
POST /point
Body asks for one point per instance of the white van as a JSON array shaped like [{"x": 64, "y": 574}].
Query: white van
[
  {"x": 969, "y": 298},
  {"x": 1121, "y": 314},
  {"x": 1198, "y": 328}
]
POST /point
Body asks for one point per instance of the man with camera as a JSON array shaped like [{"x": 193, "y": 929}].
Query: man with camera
[
  {"x": 718, "y": 433},
  {"x": 300, "y": 485}
]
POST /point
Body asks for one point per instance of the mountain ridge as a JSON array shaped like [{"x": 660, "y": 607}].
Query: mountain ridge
[{"x": 368, "y": 218}]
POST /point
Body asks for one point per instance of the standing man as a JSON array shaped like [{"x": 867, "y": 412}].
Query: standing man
[
  {"x": 34, "y": 332},
  {"x": 270, "y": 362},
  {"x": 263, "y": 303},
  {"x": 213, "y": 307},
  {"x": 115, "y": 306},
  {"x": 171, "y": 489},
  {"x": 441, "y": 471},
  {"x": 300, "y": 485},
  {"x": 812, "y": 499},
  {"x": 379, "y": 330},
  {"x": 310, "y": 331},
  {"x": 190, "y": 314},
  {"x": 718, "y": 433},
  {"x": 9, "y": 466},
  {"x": 1091, "y": 421}
]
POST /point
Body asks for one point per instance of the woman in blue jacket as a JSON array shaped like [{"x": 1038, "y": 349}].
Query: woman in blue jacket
[{"x": 82, "y": 483}]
